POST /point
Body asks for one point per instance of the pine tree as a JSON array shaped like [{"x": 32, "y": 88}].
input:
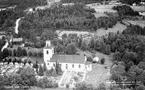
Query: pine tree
[
  {"x": 41, "y": 71},
  {"x": 107, "y": 50}
]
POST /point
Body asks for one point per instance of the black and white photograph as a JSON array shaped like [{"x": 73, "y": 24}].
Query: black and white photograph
[{"x": 72, "y": 44}]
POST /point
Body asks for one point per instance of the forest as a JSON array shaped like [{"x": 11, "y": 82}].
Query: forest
[
  {"x": 130, "y": 2},
  {"x": 134, "y": 30},
  {"x": 22, "y": 4},
  {"x": 125, "y": 10},
  {"x": 65, "y": 18}
]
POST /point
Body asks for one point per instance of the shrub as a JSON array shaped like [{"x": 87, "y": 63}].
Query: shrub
[
  {"x": 40, "y": 54},
  {"x": 34, "y": 54},
  {"x": 102, "y": 60},
  {"x": 51, "y": 72},
  {"x": 89, "y": 59},
  {"x": 47, "y": 83},
  {"x": 29, "y": 53}
]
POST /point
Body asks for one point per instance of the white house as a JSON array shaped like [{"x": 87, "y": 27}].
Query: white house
[
  {"x": 96, "y": 59},
  {"x": 66, "y": 62}
]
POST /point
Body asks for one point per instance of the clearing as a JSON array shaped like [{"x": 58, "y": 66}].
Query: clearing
[
  {"x": 118, "y": 27},
  {"x": 99, "y": 74}
]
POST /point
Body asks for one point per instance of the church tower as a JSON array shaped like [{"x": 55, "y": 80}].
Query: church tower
[{"x": 48, "y": 51}]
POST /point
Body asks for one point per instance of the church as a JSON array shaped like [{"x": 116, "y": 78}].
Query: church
[{"x": 66, "y": 62}]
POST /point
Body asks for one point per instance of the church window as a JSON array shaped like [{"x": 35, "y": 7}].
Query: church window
[
  {"x": 66, "y": 66},
  {"x": 72, "y": 65},
  {"x": 47, "y": 52},
  {"x": 54, "y": 65},
  {"x": 79, "y": 66}
]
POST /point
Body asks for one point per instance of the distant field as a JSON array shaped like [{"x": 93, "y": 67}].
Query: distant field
[
  {"x": 99, "y": 74},
  {"x": 139, "y": 22},
  {"x": 97, "y": 15},
  {"x": 138, "y": 8},
  {"x": 118, "y": 27}
]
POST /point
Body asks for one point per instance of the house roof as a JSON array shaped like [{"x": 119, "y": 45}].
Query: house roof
[
  {"x": 68, "y": 58},
  {"x": 17, "y": 39}
]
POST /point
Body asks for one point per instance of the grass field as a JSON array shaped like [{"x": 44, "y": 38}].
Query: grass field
[
  {"x": 99, "y": 74},
  {"x": 118, "y": 27},
  {"x": 138, "y": 8}
]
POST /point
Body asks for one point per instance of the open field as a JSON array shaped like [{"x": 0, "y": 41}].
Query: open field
[
  {"x": 99, "y": 74},
  {"x": 97, "y": 15},
  {"x": 138, "y": 22},
  {"x": 138, "y": 8},
  {"x": 118, "y": 27}
]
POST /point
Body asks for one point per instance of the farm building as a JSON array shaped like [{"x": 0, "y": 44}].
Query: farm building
[
  {"x": 17, "y": 41},
  {"x": 66, "y": 62}
]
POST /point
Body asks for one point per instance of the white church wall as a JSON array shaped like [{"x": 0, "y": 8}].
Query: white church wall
[{"x": 65, "y": 66}]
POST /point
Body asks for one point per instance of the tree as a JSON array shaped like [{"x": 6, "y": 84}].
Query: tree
[
  {"x": 71, "y": 49},
  {"x": 14, "y": 52},
  {"x": 59, "y": 48},
  {"x": 2, "y": 79},
  {"x": 92, "y": 43},
  {"x": 47, "y": 83},
  {"x": 5, "y": 52},
  {"x": 48, "y": 35},
  {"x": 51, "y": 72},
  {"x": 113, "y": 47},
  {"x": 58, "y": 69},
  {"x": 30, "y": 53},
  {"x": 141, "y": 87},
  {"x": 101, "y": 87},
  {"x": 84, "y": 45},
  {"x": 102, "y": 60},
  {"x": 28, "y": 76},
  {"x": 24, "y": 52},
  {"x": 36, "y": 66},
  {"x": 64, "y": 36},
  {"x": 41, "y": 71},
  {"x": 107, "y": 49},
  {"x": 134, "y": 75},
  {"x": 83, "y": 86},
  {"x": 19, "y": 51},
  {"x": 141, "y": 65}
]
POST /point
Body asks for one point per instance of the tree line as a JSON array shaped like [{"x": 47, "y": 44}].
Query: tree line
[
  {"x": 125, "y": 10},
  {"x": 134, "y": 30},
  {"x": 74, "y": 17}
]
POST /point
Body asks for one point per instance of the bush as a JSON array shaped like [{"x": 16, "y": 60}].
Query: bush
[
  {"x": 29, "y": 53},
  {"x": 47, "y": 83},
  {"x": 102, "y": 60},
  {"x": 40, "y": 54},
  {"x": 51, "y": 72},
  {"x": 34, "y": 54},
  {"x": 89, "y": 59}
]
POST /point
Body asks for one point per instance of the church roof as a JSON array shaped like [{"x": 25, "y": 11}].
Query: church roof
[{"x": 68, "y": 58}]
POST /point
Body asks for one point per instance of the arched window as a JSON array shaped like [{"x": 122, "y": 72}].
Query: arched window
[
  {"x": 47, "y": 52},
  {"x": 66, "y": 66},
  {"x": 79, "y": 66},
  {"x": 72, "y": 65}
]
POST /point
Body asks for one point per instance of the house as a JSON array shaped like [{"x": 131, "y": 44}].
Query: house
[
  {"x": 96, "y": 59},
  {"x": 2, "y": 34},
  {"x": 17, "y": 41},
  {"x": 66, "y": 62}
]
